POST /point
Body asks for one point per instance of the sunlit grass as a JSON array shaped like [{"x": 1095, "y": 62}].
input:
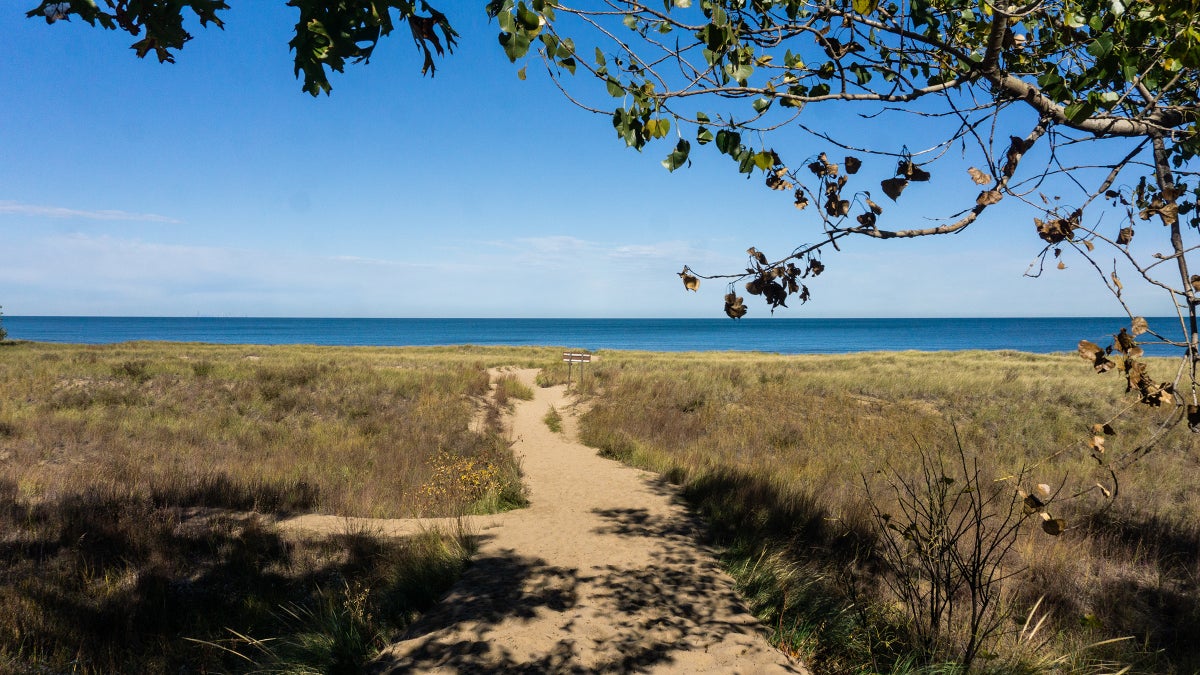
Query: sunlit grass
[
  {"x": 773, "y": 450},
  {"x": 106, "y": 564}
]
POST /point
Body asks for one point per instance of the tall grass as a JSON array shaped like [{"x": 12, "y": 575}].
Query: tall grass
[
  {"x": 104, "y": 565},
  {"x": 351, "y": 432},
  {"x": 773, "y": 451}
]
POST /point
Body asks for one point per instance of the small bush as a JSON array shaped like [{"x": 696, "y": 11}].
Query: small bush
[{"x": 553, "y": 420}]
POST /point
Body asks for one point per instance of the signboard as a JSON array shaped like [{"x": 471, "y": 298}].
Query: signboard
[{"x": 582, "y": 358}]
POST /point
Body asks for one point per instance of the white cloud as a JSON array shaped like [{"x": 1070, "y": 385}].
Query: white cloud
[{"x": 38, "y": 211}]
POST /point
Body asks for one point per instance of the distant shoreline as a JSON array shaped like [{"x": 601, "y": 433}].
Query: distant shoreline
[{"x": 781, "y": 335}]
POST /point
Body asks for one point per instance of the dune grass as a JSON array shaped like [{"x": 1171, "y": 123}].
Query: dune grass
[
  {"x": 778, "y": 454},
  {"x": 126, "y": 472}
]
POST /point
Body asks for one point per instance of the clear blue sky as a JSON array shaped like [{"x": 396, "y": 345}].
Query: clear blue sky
[{"x": 215, "y": 187}]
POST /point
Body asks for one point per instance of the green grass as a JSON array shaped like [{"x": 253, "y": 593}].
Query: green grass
[
  {"x": 773, "y": 451},
  {"x": 553, "y": 420}
]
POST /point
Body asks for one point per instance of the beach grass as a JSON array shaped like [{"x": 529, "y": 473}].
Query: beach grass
[
  {"x": 137, "y": 481},
  {"x": 781, "y": 453}
]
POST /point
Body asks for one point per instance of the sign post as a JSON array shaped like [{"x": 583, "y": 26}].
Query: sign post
[{"x": 582, "y": 359}]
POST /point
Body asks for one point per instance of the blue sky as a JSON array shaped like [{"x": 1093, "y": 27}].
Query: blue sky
[{"x": 215, "y": 187}]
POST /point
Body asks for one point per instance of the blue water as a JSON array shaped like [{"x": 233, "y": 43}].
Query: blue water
[{"x": 787, "y": 336}]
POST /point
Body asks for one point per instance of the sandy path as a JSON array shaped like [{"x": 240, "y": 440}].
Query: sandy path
[{"x": 604, "y": 572}]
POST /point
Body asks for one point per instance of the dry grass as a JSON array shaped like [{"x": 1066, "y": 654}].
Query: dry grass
[
  {"x": 104, "y": 448},
  {"x": 773, "y": 449},
  {"x": 346, "y": 431}
]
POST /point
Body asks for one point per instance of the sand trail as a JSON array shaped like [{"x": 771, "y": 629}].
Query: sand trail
[{"x": 604, "y": 572}]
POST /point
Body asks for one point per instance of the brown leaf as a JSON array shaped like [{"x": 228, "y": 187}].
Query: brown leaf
[
  {"x": 1044, "y": 489},
  {"x": 1125, "y": 236},
  {"x": 1088, "y": 243},
  {"x": 1195, "y": 281},
  {"x": 866, "y": 219},
  {"x": 690, "y": 282},
  {"x": 875, "y": 208},
  {"x": 1062, "y": 265},
  {"x": 1054, "y": 526},
  {"x": 1117, "y": 282},
  {"x": 755, "y": 287},
  {"x": 988, "y": 197},
  {"x": 801, "y": 199},
  {"x": 776, "y": 180},
  {"x": 1139, "y": 325},
  {"x": 910, "y": 170},
  {"x": 1126, "y": 343},
  {"x": 1033, "y": 504},
  {"x": 853, "y": 164},
  {"x": 892, "y": 187},
  {"x": 1098, "y": 444},
  {"x": 1097, "y": 429},
  {"x": 734, "y": 307},
  {"x": 1090, "y": 351},
  {"x": 979, "y": 177}
]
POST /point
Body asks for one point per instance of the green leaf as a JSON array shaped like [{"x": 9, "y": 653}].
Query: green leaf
[
  {"x": 1079, "y": 110},
  {"x": 615, "y": 89},
  {"x": 761, "y": 104},
  {"x": 530, "y": 21},
  {"x": 679, "y": 157},
  {"x": 704, "y": 136},
  {"x": 630, "y": 22},
  {"x": 728, "y": 141},
  {"x": 865, "y": 7},
  {"x": 521, "y": 73},
  {"x": 701, "y": 117},
  {"x": 600, "y": 60},
  {"x": 764, "y": 160},
  {"x": 1102, "y": 46}
]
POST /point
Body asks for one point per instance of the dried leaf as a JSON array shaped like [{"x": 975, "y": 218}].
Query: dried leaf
[
  {"x": 757, "y": 255},
  {"x": 1125, "y": 236},
  {"x": 1107, "y": 493},
  {"x": 1098, "y": 444},
  {"x": 1117, "y": 282},
  {"x": 1054, "y": 526},
  {"x": 1033, "y": 504},
  {"x": 1139, "y": 325},
  {"x": 690, "y": 282},
  {"x": 979, "y": 177},
  {"x": 801, "y": 199},
  {"x": 1044, "y": 489},
  {"x": 875, "y": 208},
  {"x": 734, "y": 307},
  {"x": 892, "y": 187},
  {"x": 988, "y": 197},
  {"x": 1193, "y": 418},
  {"x": 1098, "y": 357},
  {"x": 776, "y": 180},
  {"x": 1062, "y": 265},
  {"x": 853, "y": 164},
  {"x": 1195, "y": 281},
  {"x": 1088, "y": 243}
]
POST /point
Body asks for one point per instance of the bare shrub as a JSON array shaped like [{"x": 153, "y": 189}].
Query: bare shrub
[{"x": 945, "y": 548}]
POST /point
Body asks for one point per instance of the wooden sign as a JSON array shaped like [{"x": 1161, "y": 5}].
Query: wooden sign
[{"x": 576, "y": 357}]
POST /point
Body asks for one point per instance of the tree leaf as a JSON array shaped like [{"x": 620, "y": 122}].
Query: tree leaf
[
  {"x": 852, "y": 165},
  {"x": 1054, "y": 526},
  {"x": 1139, "y": 325},
  {"x": 892, "y": 187},
  {"x": 979, "y": 177},
  {"x": 988, "y": 197},
  {"x": 690, "y": 282}
]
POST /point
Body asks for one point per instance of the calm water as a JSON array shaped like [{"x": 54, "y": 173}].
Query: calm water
[{"x": 788, "y": 336}]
